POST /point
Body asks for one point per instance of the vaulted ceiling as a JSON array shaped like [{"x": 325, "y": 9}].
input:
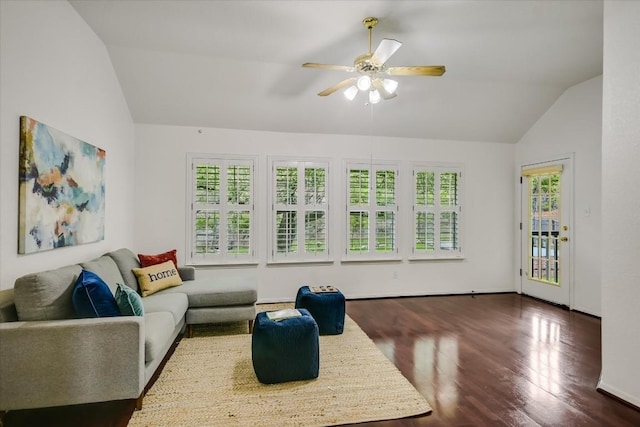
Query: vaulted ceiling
[{"x": 237, "y": 64}]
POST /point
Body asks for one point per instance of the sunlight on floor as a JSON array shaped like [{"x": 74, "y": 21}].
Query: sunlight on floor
[{"x": 544, "y": 358}]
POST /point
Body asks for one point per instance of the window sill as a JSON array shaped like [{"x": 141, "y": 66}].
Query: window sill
[
  {"x": 437, "y": 258},
  {"x": 370, "y": 260},
  {"x": 299, "y": 262},
  {"x": 223, "y": 264}
]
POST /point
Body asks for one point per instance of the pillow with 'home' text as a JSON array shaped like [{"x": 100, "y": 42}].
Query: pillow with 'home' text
[{"x": 157, "y": 277}]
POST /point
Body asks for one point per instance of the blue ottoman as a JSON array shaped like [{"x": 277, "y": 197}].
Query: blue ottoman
[
  {"x": 326, "y": 307},
  {"x": 285, "y": 350}
]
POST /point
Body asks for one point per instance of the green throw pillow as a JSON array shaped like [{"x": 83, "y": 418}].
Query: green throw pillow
[{"x": 129, "y": 302}]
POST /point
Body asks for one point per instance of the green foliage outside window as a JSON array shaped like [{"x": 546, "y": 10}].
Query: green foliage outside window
[
  {"x": 287, "y": 188},
  {"x": 385, "y": 221},
  {"x": 447, "y": 198},
  {"x": 239, "y": 185},
  {"x": 207, "y": 220}
]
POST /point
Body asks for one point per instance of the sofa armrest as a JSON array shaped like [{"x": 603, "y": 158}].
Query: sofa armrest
[
  {"x": 187, "y": 272},
  {"x": 8, "y": 311},
  {"x": 63, "y": 362}
]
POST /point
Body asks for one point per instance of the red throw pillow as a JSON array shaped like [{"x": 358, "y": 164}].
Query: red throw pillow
[{"x": 149, "y": 260}]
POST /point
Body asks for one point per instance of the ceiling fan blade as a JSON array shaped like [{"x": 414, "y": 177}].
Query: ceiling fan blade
[
  {"x": 337, "y": 86},
  {"x": 385, "y": 49},
  {"x": 328, "y": 67},
  {"x": 377, "y": 83},
  {"x": 417, "y": 70}
]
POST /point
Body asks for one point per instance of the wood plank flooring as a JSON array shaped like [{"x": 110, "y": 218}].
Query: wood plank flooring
[
  {"x": 484, "y": 360},
  {"x": 495, "y": 360}
]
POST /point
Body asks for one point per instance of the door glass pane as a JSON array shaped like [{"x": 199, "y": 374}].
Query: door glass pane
[{"x": 544, "y": 228}]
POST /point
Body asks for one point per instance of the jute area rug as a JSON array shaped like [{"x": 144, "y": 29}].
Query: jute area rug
[{"x": 209, "y": 381}]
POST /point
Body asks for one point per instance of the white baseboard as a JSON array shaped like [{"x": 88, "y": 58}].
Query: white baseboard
[
  {"x": 633, "y": 400},
  {"x": 392, "y": 295},
  {"x": 430, "y": 294}
]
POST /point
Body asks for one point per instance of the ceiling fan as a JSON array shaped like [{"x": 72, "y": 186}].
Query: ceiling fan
[{"x": 372, "y": 67}]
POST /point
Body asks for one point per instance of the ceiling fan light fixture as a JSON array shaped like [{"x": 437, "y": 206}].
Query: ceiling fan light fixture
[
  {"x": 390, "y": 85},
  {"x": 369, "y": 68},
  {"x": 374, "y": 96},
  {"x": 364, "y": 83},
  {"x": 351, "y": 92}
]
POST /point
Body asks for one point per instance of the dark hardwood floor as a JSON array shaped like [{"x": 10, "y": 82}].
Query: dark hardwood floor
[
  {"x": 495, "y": 360},
  {"x": 484, "y": 360}
]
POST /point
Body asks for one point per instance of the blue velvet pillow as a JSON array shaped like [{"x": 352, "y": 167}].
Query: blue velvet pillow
[
  {"x": 129, "y": 301},
  {"x": 92, "y": 297}
]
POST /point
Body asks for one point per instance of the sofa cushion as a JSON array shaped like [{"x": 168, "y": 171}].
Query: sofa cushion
[
  {"x": 106, "y": 268},
  {"x": 126, "y": 262},
  {"x": 218, "y": 291},
  {"x": 234, "y": 313},
  {"x": 93, "y": 298},
  {"x": 46, "y": 295},
  {"x": 129, "y": 302},
  {"x": 149, "y": 260},
  {"x": 175, "y": 303},
  {"x": 158, "y": 329},
  {"x": 157, "y": 277}
]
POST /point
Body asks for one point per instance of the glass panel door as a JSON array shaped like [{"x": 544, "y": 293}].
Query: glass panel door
[{"x": 546, "y": 231}]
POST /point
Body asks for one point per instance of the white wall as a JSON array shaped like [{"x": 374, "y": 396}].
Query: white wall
[
  {"x": 160, "y": 219},
  {"x": 621, "y": 201},
  {"x": 573, "y": 124},
  {"x": 56, "y": 70}
]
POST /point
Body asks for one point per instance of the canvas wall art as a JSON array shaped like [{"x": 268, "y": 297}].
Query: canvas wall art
[{"x": 62, "y": 189}]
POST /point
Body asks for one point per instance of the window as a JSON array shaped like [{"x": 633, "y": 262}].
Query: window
[
  {"x": 372, "y": 209},
  {"x": 437, "y": 211},
  {"x": 221, "y": 217},
  {"x": 300, "y": 211}
]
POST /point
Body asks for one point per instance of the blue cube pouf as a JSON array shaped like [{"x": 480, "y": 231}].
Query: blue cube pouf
[
  {"x": 326, "y": 307},
  {"x": 285, "y": 350}
]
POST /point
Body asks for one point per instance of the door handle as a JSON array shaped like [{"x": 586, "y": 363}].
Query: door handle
[{"x": 564, "y": 239}]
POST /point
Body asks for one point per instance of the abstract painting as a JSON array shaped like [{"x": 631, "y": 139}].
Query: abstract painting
[{"x": 61, "y": 189}]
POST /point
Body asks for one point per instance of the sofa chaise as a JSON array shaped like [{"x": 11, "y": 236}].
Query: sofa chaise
[{"x": 49, "y": 357}]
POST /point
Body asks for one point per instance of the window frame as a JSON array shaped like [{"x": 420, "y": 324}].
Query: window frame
[
  {"x": 371, "y": 208},
  {"x": 223, "y": 257},
  {"x": 437, "y": 210},
  {"x": 301, "y": 208}
]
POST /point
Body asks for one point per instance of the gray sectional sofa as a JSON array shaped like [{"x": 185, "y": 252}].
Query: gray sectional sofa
[{"x": 48, "y": 357}]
